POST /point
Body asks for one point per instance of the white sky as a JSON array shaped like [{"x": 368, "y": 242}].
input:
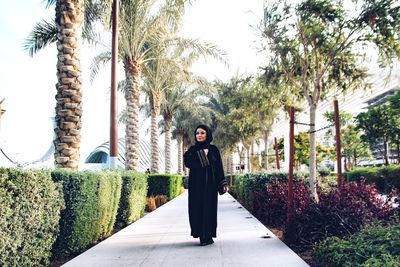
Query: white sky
[{"x": 28, "y": 84}]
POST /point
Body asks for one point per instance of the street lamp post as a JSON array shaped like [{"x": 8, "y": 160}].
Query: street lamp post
[
  {"x": 113, "y": 104},
  {"x": 290, "y": 178}
]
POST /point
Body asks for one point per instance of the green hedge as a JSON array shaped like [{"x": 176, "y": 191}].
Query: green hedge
[
  {"x": 245, "y": 185},
  {"x": 164, "y": 184},
  {"x": 237, "y": 187},
  {"x": 30, "y": 205},
  {"x": 109, "y": 198},
  {"x": 133, "y": 198},
  {"x": 386, "y": 178},
  {"x": 373, "y": 246},
  {"x": 91, "y": 200}
]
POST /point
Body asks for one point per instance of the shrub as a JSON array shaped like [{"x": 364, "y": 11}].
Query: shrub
[
  {"x": 271, "y": 204},
  {"x": 133, "y": 198},
  {"x": 109, "y": 198},
  {"x": 327, "y": 182},
  {"x": 160, "y": 200},
  {"x": 324, "y": 171},
  {"x": 150, "y": 204},
  {"x": 339, "y": 213},
  {"x": 91, "y": 200},
  {"x": 385, "y": 178},
  {"x": 164, "y": 184},
  {"x": 238, "y": 189},
  {"x": 30, "y": 205},
  {"x": 253, "y": 182},
  {"x": 372, "y": 246}
]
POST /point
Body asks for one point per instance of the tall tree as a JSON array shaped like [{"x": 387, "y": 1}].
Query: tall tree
[
  {"x": 353, "y": 147},
  {"x": 146, "y": 36},
  {"x": 186, "y": 118},
  {"x": 233, "y": 123},
  {"x": 140, "y": 33},
  {"x": 376, "y": 127},
  {"x": 174, "y": 99},
  {"x": 168, "y": 70},
  {"x": 394, "y": 103},
  {"x": 264, "y": 97},
  {"x": 320, "y": 46},
  {"x": 73, "y": 20}
]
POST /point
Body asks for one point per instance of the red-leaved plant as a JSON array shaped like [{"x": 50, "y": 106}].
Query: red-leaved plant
[{"x": 340, "y": 212}]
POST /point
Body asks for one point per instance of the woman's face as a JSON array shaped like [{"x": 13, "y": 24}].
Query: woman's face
[{"x": 201, "y": 135}]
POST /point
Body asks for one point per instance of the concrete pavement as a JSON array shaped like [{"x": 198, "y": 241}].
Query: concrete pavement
[{"x": 162, "y": 238}]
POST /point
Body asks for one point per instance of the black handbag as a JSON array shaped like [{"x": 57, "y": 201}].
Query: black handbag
[{"x": 221, "y": 190}]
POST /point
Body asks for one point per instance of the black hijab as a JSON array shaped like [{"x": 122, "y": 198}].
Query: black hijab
[{"x": 209, "y": 138}]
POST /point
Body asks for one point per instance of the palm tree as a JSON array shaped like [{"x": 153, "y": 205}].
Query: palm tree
[
  {"x": 145, "y": 44},
  {"x": 174, "y": 100},
  {"x": 73, "y": 19},
  {"x": 186, "y": 117},
  {"x": 174, "y": 76},
  {"x": 141, "y": 33}
]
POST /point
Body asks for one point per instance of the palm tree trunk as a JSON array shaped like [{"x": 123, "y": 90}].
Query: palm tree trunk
[
  {"x": 69, "y": 19},
  {"x": 132, "y": 95},
  {"x": 155, "y": 103},
  {"x": 313, "y": 153},
  {"x": 155, "y": 161},
  {"x": 167, "y": 142},
  {"x": 180, "y": 152}
]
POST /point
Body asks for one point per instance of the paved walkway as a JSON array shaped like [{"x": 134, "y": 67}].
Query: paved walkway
[{"x": 162, "y": 238}]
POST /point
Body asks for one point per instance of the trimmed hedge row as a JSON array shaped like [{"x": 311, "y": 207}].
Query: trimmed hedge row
[
  {"x": 91, "y": 200},
  {"x": 385, "y": 178},
  {"x": 133, "y": 198},
  {"x": 30, "y": 205},
  {"x": 245, "y": 185},
  {"x": 56, "y": 214},
  {"x": 61, "y": 213},
  {"x": 165, "y": 184}
]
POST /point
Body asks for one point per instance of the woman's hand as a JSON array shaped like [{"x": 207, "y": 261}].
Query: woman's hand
[{"x": 226, "y": 188}]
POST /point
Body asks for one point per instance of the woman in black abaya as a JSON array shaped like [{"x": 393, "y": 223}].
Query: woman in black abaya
[{"x": 206, "y": 179}]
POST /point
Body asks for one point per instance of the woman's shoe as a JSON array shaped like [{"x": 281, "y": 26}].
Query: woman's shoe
[{"x": 206, "y": 241}]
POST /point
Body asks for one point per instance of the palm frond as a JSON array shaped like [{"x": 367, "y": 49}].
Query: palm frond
[
  {"x": 121, "y": 86},
  {"x": 123, "y": 116},
  {"x": 50, "y": 3},
  {"x": 99, "y": 60},
  {"x": 43, "y": 34},
  {"x": 203, "y": 48}
]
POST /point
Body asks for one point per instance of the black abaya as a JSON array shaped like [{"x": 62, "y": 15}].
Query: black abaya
[{"x": 203, "y": 191}]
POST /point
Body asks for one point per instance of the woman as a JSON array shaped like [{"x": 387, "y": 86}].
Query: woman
[{"x": 206, "y": 179}]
